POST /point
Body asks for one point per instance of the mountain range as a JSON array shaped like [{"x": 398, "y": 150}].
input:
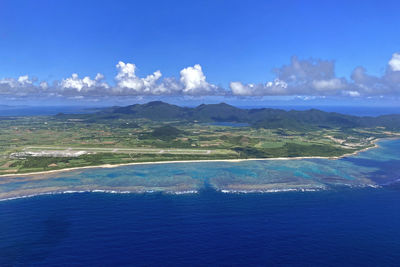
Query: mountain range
[{"x": 260, "y": 117}]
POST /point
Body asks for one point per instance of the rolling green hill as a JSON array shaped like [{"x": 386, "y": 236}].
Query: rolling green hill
[{"x": 259, "y": 118}]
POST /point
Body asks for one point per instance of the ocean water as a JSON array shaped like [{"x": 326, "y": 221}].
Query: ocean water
[
  {"x": 338, "y": 212},
  {"x": 349, "y": 110},
  {"x": 358, "y": 227},
  {"x": 43, "y": 111}
]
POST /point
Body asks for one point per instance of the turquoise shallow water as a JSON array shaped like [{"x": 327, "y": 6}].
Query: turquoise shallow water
[{"x": 375, "y": 167}]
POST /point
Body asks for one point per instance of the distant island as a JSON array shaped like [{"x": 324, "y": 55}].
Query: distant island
[{"x": 161, "y": 132}]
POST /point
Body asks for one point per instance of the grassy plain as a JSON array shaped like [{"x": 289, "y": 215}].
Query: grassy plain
[{"x": 142, "y": 140}]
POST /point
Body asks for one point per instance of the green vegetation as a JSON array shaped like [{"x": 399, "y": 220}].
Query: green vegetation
[
  {"x": 161, "y": 132},
  {"x": 166, "y": 133},
  {"x": 292, "y": 150},
  {"x": 261, "y": 118}
]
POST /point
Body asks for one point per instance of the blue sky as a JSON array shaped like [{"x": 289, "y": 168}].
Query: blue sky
[{"x": 231, "y": 41}]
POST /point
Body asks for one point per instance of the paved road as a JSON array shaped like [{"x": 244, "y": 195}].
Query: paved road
[{"x": 122, "y": 150}]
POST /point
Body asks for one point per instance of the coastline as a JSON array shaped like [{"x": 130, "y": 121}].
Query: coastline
[
  {"x": 374, "y": 145},
  {"x": 140, "y": 189}
]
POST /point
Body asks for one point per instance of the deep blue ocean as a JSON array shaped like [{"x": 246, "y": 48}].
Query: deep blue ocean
[{"x": 359, "y": 227}]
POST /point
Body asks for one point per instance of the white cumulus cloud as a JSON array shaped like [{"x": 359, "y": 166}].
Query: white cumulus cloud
[
  {"x": 24, "y": 80},
  {"x": 127, "y": 79},
  {"x": 86, "y": 83},
  {"x": 327, "y": 85},
  {"x": 351, "y": 93},
  {"x": 300, "y": 78},
  {"x": 277, "y": 87},
  {"x": 44, "y": 85},
  {"x": 394, "y": 62},
  {"x": 312, "y": 77},
  {"x": 194, "y": 81},
  {"x": 21, "y": 81},
  {"x": 315, "y": 77}
]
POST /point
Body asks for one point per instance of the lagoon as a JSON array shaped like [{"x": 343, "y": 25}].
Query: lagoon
[{"x": 372, "y": 168}]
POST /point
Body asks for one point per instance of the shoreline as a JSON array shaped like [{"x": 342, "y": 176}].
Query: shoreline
[{"x": 107, "y": 166}]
